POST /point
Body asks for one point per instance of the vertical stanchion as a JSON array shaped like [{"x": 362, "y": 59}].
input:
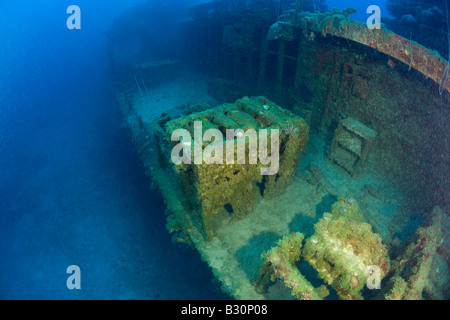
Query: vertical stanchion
[{"x": 280, "y": 67}]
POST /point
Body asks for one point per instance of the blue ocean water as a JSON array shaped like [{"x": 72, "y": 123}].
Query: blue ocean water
[
  {"x": 72, "y": 190},
  {"x": 360, "y": 6}
]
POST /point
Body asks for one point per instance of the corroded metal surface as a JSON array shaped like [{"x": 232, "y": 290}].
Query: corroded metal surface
[{"x": 338, "y": 24}]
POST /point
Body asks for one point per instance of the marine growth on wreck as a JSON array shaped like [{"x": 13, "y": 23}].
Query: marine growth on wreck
[{"x": 358, "y": 207}]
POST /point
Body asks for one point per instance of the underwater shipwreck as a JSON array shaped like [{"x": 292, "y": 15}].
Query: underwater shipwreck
[{"x": 359, "y": 205}]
